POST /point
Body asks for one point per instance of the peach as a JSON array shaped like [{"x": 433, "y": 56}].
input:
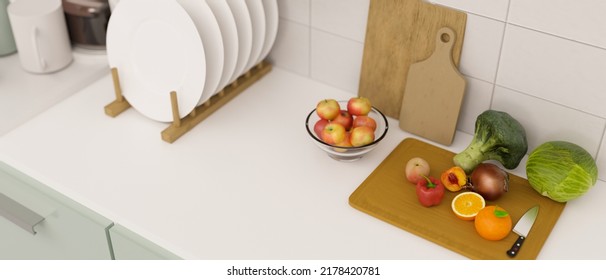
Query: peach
[{"x": 416, "y": 169}]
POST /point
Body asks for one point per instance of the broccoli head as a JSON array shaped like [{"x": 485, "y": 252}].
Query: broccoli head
[{"x": 498, "y": 136}]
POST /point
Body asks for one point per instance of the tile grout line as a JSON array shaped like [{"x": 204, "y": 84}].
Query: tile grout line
[
  {"x": 506, "y": 22},
  {"x": 553, "y": 102},
  {"x": 597, "y": 154},
  {"x": 496, "y": 74},
  {"x": 556, "y": 35}
]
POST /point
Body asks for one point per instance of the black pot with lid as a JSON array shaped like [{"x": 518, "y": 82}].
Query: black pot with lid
[{"x": 87, "y": 22}]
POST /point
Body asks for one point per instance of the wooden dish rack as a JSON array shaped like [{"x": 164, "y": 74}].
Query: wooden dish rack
[{"x": 180, "y": 126}]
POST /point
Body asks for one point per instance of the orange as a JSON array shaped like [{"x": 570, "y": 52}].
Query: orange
[
  {"x": 493, "y": 223},
  {"x": 467, "y": 205}
]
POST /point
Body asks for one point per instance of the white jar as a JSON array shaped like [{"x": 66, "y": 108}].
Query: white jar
[{"x": 41, "y": 35}]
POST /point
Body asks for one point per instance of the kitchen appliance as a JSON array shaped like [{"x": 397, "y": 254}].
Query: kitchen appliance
[
  {"x": 398, "y": 34},
  {"x": 41, "y": 35},
  {"x": 434, "y": 93},
  {"x": 7, "y": 41},
  {"x": 522, "y": 228},
  {"x": 87, "y": 22}
]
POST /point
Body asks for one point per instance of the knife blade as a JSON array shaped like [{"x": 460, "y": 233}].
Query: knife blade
[{"x": 522, "y": 228}]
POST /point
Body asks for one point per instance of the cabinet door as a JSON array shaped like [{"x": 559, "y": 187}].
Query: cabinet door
[
  {"x": 128, "y": 245},
  {"x": 67, "y": 229}
]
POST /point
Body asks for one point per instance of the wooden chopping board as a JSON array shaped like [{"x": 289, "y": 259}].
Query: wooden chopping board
[
  {"x": 398, "y": 34},
  {"x": 388, "y": 196},
  {"x": 434, "y": 93}
]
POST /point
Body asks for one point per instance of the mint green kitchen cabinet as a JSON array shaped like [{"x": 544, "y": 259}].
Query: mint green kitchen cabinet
[
  {"x": 128, "y": 245},
  {"x": 37, "y": 222}
]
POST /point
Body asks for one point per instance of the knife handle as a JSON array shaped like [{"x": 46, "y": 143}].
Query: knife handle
[{"x": 516, "y": 247}]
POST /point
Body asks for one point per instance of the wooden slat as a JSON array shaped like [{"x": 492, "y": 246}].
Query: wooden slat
[
  {"x": 180, "y": 127},
  {"x": 174, "y": 131}
]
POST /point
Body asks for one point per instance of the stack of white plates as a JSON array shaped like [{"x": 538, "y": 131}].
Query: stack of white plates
[{"x": 193, "y": 47}]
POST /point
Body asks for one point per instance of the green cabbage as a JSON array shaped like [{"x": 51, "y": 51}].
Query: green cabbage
[{"x": 561, "y": 170}]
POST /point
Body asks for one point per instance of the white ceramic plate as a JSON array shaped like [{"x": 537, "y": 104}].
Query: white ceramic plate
[
  {"x": 209, "y": 31},
  {"x": 271, "y": 27},
  {"x": 245, "y": 35},
  {"x": 257, "y": 16},
  {"x": 157, "y": 49},
  {"x": 229, "y": 31}
]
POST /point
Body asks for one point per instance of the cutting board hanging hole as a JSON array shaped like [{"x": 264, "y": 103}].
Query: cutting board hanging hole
[
  {"x": 444, "y": 44},
  {"x": 434, "y": 92},
  {"x": 445, "y": 37}
]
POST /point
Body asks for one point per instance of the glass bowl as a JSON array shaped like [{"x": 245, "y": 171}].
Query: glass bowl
[{"x": 348, "y": 153}]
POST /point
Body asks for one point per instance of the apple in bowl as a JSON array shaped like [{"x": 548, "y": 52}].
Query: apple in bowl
[
  {"x": 365, "y": 121},
  {"x": 361, "y": 135},
  {"x": 328, "y": 109},
  {"x": 344, "y": 118},
  {"x": 333, "y": 133},
  {"x": 359, "y": 106}
]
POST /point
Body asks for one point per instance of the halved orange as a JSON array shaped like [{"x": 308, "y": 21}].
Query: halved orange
[{"x": 466, "y": 205}]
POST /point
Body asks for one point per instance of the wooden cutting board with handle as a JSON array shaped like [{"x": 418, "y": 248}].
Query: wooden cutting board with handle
[
  {"x": 398, "y": 34},
  {"x": 434, "y": 93}
]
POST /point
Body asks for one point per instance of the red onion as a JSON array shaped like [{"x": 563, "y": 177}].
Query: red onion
[{"x": 489, "y": 180}]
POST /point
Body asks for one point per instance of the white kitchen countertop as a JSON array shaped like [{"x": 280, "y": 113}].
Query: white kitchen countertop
[
  {"x": 24, "y": 95},
  {"x": 246, "y": 183}
]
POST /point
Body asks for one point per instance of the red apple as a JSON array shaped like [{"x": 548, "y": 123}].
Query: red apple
[
  {"x": 328, "y": 109},
  {"x": 365, "y": 121},
  {"x": 345, "y": 119},
  {"x": 345, "y": 143},
  {"x": 361, "y": 136},
  {"x": 359, "y": 106},
  {"x": 319, "y": 126},
  {"x": 416, "y": 168},
  {"x": 333, "y": 133}
]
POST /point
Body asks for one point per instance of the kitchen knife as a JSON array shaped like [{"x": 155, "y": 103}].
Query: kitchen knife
[{"x": 522, "y": 228}]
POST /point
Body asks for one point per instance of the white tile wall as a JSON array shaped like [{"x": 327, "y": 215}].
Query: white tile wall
[
  {"x": 554, "y": 69},
  {"x": 496, "y": 9},
  {"x": 601, "y": 160},
  {"x": 291, "y": 49},
  {"x": 546, "y": 121},
  {"x": 542, "y": 61},
  {"x": 482, "y": 47},
  {"x": 294, "y": 10},
  {"x": 580, "y": 20},
  {"x": 336, "y": 61},
  {"x": 345, "y": 18},
  {"x": 477, "y": 99}
]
